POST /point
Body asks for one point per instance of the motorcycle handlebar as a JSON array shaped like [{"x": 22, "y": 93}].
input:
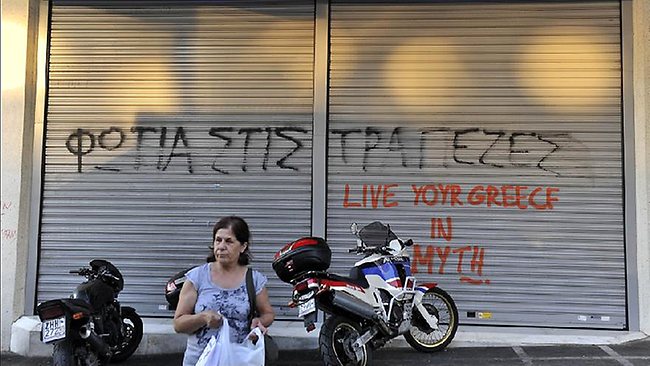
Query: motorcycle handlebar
[
  {"x": 377, "y": 249},
  {"x": 108, "y": 275},
  {"x": 364, "y": 250},
  {"x": 81, "y": 271}
]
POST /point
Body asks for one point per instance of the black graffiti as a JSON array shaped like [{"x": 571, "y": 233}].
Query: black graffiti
[
  {"x": 82, "y": 142},
  {"x": 513, "y": 152},
  {"x": 267, "y": 152},
  {"x": 458, "y": 146},
  {"x": 180, "y": 136},
  {"x": 103, "y": 134},
  {"x": 161, "y": 147},
  {"x": 281, "y": 133},
  {"x": 215, "y": 132},
  {"x": 141, "y": 130},
  {"x": 344, "y": 134},
  {"x": 469, "y": 146},
  {"x": 248, "y": 133},
  {"x": 485, "y": 142},
  {"x": 535, "y": 159},
  {"x": 499, "y": 135},
  {"x": 533, "y": 135},
  {"x": 424, "y": 133},
  {"x": 373, "y": 139},
  {"x": 395, "y": 144},
  {"x": 247, "y": 140},
  {"x": 77, "y": 149},
  {"x": 162, "y": 138},
  {"x": 369, "y": 146}
]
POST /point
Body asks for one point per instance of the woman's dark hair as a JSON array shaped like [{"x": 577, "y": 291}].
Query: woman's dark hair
[{"x": 239, "y": 227}]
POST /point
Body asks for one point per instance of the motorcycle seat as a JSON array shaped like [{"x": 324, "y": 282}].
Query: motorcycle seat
[
  {"x": 78, "y": 305},
  {"x": 355, "y": 278}
]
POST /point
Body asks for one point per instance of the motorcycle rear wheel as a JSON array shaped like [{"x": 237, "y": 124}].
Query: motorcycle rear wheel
[
  {"x": 335, "y": 341},
  {"x": 421, "y": 336},
  {"x": 65, "y": 354},
  {"x": 133, "y": 329}
]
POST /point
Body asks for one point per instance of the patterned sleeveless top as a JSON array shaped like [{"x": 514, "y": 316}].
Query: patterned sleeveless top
[{"x": 231, "y": 303}]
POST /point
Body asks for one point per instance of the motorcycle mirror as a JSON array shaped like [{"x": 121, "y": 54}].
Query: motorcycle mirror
[
  {"x": 408, "y": 243},
  {"x": 353, "y": 228}
]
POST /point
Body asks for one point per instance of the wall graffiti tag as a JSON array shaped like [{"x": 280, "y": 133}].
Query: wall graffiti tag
[
  {"x": 469, "y": 259},
  {"x": 409, "y": 147},
  {"x": 429, "y": 256},
  {"x": 467, "y": 146},
  {"x": 9, "y": 233},
  {"x": 175, "y": 144}
]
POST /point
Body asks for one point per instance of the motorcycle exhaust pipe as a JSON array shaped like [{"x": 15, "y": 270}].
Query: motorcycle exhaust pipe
[
  {"x": 95, "y": 342},
  {"x": 84, "y": 332},
  {"x": 353, "y": 305}
]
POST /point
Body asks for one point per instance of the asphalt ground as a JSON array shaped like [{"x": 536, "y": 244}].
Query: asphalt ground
[{"x": 634, "y": 353}]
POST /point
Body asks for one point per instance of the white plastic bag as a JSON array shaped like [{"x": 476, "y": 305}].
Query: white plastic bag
[{"x": 220, "y": 352}]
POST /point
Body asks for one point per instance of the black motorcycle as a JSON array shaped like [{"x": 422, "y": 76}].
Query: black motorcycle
[{"x": 91, "y": 328}]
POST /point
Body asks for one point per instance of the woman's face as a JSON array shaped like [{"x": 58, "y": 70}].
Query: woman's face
[{"x": 226, "y": 247}]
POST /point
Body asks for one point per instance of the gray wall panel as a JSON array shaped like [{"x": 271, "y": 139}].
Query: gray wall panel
[
  {"x": 469, "y": 95},
  {"x": 162, "y": 117}
]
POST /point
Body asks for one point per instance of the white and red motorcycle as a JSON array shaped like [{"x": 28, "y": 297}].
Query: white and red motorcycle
[{"x": 379, "y": 301}]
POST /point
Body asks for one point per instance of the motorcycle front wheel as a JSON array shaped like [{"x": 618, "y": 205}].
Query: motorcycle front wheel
[
  {"x": 424, "y": 338},
  {"x": 337, "y": 336},
  {"x": 131, "y": 335}
]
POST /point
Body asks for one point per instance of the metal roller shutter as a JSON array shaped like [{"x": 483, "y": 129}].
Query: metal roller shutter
[
  {"x": 163, "y": 117},
  {"x": 490, "y": 133}
]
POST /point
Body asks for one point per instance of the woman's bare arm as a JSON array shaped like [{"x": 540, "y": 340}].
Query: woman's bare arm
[
  {"x": 185, "y": 321},
  {"x": 265, "y": 311}
]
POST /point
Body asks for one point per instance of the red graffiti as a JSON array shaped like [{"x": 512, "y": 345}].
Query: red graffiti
[
  {"x": 505, "y": 196},
  {"x": 9, "y": 234},
  {"x": 6, "y": 206},
  {"x": 508, "y": 196},
  {"x": 380, "y": 194},
  {"x": 438, "y": 229},
  {"x": 439, "y": 256},
  {"x": 431, "y": 194}
]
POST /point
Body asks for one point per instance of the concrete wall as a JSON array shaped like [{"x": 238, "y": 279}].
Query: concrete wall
[
  {"x": 19, "y": 30},
  {"x": 641, "y": 29},
  {"x": 19, "y": 45}
]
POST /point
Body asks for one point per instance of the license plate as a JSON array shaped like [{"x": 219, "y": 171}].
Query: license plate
[
  {"x": 53, "y": 329},
  {"x": 307, "y": 307}
]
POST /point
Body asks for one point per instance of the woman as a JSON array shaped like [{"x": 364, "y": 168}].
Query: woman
[{"x": 216, "y": 292}]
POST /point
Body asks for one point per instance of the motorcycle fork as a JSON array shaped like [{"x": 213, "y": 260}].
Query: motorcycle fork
[{"x": 431, "y": 320}]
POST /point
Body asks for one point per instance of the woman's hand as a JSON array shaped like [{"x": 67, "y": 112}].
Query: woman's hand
[
  {"x": 257, "y": 323},
  {"x": 212, "y": 319},
  {"x": 265, "y": 310}
]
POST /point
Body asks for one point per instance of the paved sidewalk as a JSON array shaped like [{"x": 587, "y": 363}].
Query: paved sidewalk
[{"x": 634, "y": 353}]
